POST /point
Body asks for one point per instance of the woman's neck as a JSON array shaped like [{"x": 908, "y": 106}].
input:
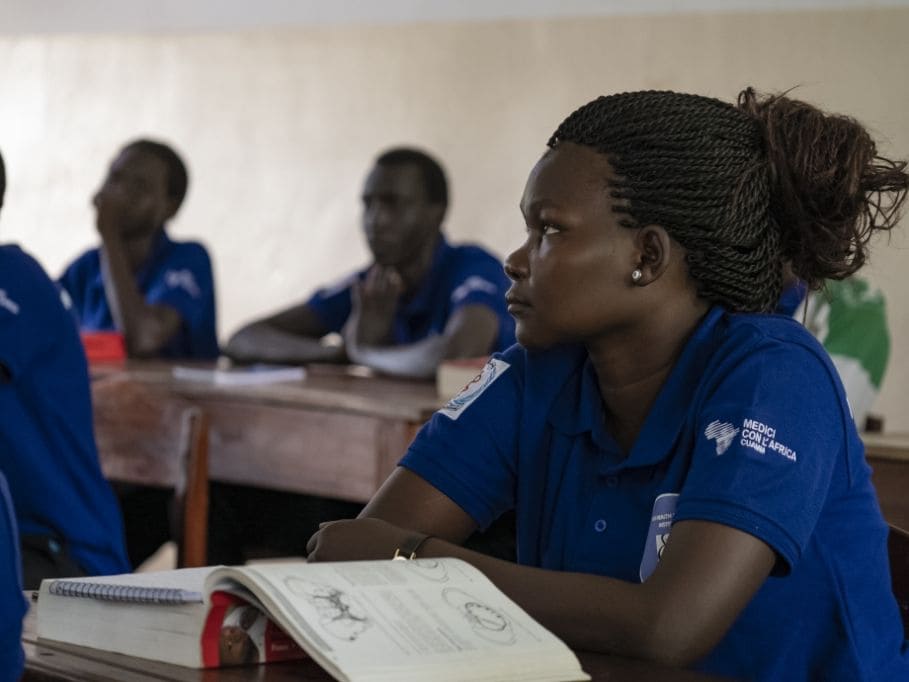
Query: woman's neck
[{"x": 632, "y": 368}]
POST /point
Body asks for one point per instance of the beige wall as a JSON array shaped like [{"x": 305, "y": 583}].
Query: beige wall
[{"x": 279, "y": 126}]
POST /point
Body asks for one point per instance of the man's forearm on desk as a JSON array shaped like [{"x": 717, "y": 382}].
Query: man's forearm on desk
[{"x": 261, "y": 342}]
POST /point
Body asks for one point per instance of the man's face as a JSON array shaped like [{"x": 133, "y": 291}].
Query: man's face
[
  {"x": 135, "y": 193},
  {"x": 398, "y": 218}
]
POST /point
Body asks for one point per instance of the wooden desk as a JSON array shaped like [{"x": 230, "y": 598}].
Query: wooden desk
[
  {"x": 339, "y": 433},
  {"x": 50, "y": 662},
  {"x": 336, "y": 433},
  {"x": 888, "y": 455}
]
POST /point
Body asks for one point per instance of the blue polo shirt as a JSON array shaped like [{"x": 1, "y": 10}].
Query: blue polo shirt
[
  {"x": 47, "y": 446},
  {"x": 176, "y": 274},
  {"x": 459, "y": 275},
  {"x": 750, "y": 430},
  {"x": 12, "y": 604}
]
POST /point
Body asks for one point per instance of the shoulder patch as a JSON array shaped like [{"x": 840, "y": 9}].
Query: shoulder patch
[
  {"x": 8, "y": 303},
  {"x": 473, "y": 390},
  {"x": 471, "y": 284},
  {"x": 182, "y": 279}
]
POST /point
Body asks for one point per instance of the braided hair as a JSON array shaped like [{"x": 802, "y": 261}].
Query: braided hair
[{"x": 743, "y": 189}]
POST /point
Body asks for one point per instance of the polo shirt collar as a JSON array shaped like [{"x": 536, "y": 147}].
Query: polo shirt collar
[
  {"x": 578, "y": 408},
  {"x": 791, "y": 298},
  {"x": 422, "y": 299}
]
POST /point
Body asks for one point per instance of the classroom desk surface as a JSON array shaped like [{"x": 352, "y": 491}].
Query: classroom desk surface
[
  {"x": 893, "y": 446},
  {"x": 337, "y": 433},
  {"x": 51, "y": 662},
  {"x": 341, "y": 431},
  {"x": 888, "y": 456}
]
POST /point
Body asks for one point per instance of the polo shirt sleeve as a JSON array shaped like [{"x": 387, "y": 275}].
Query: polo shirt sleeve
[
  {"x": 468, "y": 450},
  {"x": 187, "y": 285},
  {"x": 73, "y": 283},
  {"x": 479, "y": 279},
  {"x": 767, "y": 439},
  {"x": 332, "y": 304},
  {"x": 29, "y": 307},
  {"x": 12, "y": 604}
]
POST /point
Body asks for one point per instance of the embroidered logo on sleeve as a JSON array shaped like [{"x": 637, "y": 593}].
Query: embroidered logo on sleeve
[
  {"x": 658, "y": 532},
  {"x": 762, "y": 439},
  {"x": 8, "y": 303},
  {"x": 474, "y": 283},
  {"x": 182, "y": 279},
  {"x": 65, "y": 299},
  {"x": 723, "y": 433},
  {"x": 753, "y": 434},
  {"x": 490, "y": 372}
]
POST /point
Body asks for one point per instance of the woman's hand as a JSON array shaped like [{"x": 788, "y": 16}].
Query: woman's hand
[{"x": 352, "y": 539}]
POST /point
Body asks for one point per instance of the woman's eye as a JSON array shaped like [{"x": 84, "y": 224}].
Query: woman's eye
[{"x": 549, "y": 230}]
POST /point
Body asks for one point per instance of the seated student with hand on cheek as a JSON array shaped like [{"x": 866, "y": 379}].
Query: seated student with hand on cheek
[
  {"x": 652, "y": 391},
  {"x": 159, "y": 293},
  {"x": 66, "y": 514},
  {"x": 421, "y": 301}
]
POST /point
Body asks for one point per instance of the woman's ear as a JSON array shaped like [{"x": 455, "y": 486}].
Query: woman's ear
[{"x": 654, "y": 247}]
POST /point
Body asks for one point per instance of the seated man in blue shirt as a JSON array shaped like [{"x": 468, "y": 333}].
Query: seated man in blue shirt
[
  {"x": 421, "y": 300},
  {"x": 67, "y": 515},
  {"x": 159, "y": 293}
]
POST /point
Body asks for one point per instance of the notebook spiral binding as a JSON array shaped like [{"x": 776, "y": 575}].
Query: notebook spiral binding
[{"x": 123, "y": 593}]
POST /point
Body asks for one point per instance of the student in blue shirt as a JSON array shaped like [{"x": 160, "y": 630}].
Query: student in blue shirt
[
  {"x": 689, "y": 485},
  {"x": 159, "y": 293},
  {"x": 421, "y": 301},
  {"x": 68, "y": 519}
]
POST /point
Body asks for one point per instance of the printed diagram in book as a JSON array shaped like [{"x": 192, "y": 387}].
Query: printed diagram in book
[
  {"x": 487, "y": 622},
  {"x": 429, "y": 569},
  {"x": 337, "y": 614}
]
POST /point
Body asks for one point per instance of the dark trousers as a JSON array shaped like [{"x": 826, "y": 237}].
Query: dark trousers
[
  {"x": 247, "y": 523},
  {"x": 44, "y": 556},
  {"x": 146, "y": 519}
]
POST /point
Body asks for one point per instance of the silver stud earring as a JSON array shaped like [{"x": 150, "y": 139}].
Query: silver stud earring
[{"x": 636, "y": 275}]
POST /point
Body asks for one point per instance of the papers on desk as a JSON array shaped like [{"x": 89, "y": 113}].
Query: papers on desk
[{"x": 240, "y": 376}]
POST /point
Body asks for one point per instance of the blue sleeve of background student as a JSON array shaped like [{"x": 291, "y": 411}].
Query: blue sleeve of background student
[
  {"x": 72, "y": 281},
  {"x": 12, "y": 604},
  {"x": 187, "y": 285},
  {"x": 479, "y": 279},
  {"x": 468, "y": 450},
  {"x": 332, "y": 304},
  {"x": 29, "y": 318},
  {"x": 767, "y": 441}
]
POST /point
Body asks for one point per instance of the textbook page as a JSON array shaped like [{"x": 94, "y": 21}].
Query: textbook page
[{"x": 438, "y": 619}]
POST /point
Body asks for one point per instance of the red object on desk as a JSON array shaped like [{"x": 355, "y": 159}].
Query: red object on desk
[{"x": 103, "y": 346}]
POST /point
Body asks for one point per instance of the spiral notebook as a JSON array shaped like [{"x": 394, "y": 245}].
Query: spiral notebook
[{"x": 183, "y": 586}]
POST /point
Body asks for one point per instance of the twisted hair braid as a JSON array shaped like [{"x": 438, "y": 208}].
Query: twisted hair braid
[{"x": 701, "y": 169}]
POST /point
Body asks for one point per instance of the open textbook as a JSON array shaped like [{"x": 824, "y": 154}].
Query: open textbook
[{"x": 426, "y": 619}]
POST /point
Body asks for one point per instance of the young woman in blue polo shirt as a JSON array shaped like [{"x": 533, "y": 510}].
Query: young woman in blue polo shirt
[{"x": 688, "y": 483}]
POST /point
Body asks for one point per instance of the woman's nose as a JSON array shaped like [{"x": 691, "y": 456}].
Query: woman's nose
[{"x": 516, "y": 264}]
